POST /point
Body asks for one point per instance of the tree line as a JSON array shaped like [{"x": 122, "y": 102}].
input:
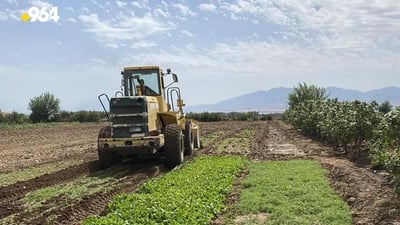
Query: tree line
[{"x": 46, "y": 108}]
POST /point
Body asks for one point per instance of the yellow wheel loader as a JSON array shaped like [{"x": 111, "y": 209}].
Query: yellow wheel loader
[{"x": 146, "y": 117}]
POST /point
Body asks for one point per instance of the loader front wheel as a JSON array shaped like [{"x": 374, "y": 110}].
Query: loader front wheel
[
  {"x": 106, "y": 158},
  {"x": 173, "y": 145}
]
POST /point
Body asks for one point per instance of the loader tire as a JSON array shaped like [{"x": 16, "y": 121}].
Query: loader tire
[
  {"x": 173, "y": 145},
  {"x": 188, "y": 138},
  {"x": 197, "y": 143},
  {"x": 106, "y": 158}
]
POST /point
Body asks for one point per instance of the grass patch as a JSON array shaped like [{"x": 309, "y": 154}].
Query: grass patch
[
  {"x": 239, "y": 143},
  {"x": 288, "y": 192},
  {"x": 32, "y": 172},
  {"x": 211, "y": 138},
  {"x": 192, "y": 195}
]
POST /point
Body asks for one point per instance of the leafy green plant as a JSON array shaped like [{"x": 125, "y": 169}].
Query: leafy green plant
[
  {"x": 385, "y": 147},
  {"x": 304, "y": 92},
  {"x": 191, "y": 195},
  {"x": 385, "y": 107}
]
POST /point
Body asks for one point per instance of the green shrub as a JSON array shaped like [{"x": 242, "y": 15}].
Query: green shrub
[
  {"x": 385, "y": 147},
  {"x": 14, "y": 118},
  {"x": 44, "y": 107}
]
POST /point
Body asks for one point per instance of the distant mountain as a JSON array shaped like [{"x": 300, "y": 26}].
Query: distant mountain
[{"x": 275, "y": 99}]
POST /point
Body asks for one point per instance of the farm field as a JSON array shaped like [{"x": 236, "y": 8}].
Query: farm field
[{"x": 50, "y": 175}]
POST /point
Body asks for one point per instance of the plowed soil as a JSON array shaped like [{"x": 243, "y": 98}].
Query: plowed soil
[{"x": 370, "y": 194}]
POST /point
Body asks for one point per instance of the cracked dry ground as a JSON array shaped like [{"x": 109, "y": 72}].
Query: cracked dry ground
[{"x": 68, "y": 158}]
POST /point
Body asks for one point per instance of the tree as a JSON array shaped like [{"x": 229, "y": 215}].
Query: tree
[
  {"x": 304, "y": 92},
  {"x": 385, "y": 107},
  {"x": 43, "y": 107}
]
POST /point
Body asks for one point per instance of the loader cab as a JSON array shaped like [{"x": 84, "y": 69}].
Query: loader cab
[
  {"x": 142, "y": 82},
  {"x": 149, "y": 81}
]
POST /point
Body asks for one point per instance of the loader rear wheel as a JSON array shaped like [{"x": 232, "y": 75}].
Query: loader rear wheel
[
  {"x": 188, "y": 138},
  {"x": 197, "y": 139},
  {"x": 173, "y": 145}
]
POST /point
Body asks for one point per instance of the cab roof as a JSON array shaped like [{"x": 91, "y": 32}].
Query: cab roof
[{"x": 141, "y": 68}]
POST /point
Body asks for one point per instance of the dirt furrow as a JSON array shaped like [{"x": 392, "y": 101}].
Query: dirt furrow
[
  {"x": 95, "y": 204},
  {"x": 369, "y": 194},
  {"x": 9, "y": 195},
  {"x": 271, "y": 143}
]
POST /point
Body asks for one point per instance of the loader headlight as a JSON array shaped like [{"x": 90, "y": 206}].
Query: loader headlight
[{"x": 135, "y": 129}]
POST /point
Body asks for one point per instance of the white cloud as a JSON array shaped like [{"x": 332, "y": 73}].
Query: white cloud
[
  {"x": 41, "y": 4},
  {"x": 143, "y": 44},
  {"x": 12, "y": 2},
  {"x": 3, "y": 16},
  {"x": 262, "y": 58},
  {"x": 127, "y": 28},
  {"x": 73, "y": 20},
  {"x": 70, "y": 9},
  {"x": 112, "y": 45},
  {"x": 98, "y": 61},
  {"x": 136, "y": 4},
  {"x": 121, "y": 4},
  {"x": 8, "y": 14},
  {"x": 85, "y": 9},
  {"x": 184, "y": 10},
  {"x": 187, "y": 33},
  {"x": 346, "y": 25},
  {"x": 160, "y": 12},
  {"x": 207, "y": 7}
]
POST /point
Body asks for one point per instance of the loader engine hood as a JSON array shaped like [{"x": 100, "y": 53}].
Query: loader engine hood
[{"x": 129, "y": 117}]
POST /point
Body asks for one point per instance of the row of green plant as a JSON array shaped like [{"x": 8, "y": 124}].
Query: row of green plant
[
  {"x": 351, "y": 125},
  {"x": 346, "y": 124},
  {"x": 63, "y": 116},
  {"x": 193, "y": 194},
  {"x": 224, "y": 116}
]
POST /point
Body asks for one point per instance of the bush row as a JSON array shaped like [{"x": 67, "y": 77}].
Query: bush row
[
  {"x": 223, "y": 116},
  {"x": 63, "y": 116},
  {"x": 191, "y": 195},
  {"x": 351, "y": 125}
]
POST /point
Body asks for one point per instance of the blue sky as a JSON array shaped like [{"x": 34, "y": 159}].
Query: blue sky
[{"x": 219, "y": 49}]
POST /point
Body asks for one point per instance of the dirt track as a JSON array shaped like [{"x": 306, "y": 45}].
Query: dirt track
[{"x": 369, "y": 193}]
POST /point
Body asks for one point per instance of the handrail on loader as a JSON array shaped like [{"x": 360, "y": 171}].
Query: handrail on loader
[{"x": 101, "y": 102}]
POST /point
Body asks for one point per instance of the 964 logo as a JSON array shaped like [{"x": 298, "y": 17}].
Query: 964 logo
[{"x": 44, "y": 14}]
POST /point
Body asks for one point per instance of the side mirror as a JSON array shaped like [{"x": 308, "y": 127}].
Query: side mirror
[{"x": 175, "y": 77}]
